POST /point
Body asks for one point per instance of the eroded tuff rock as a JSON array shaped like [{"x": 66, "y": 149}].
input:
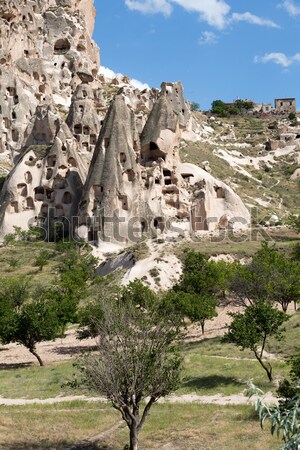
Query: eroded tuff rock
[
  {"x": 105, "y": 153},
  {"x": 46, "y": 182},
  {"x": 44, "y": 47},
  {"x": 136, "y": 182}
]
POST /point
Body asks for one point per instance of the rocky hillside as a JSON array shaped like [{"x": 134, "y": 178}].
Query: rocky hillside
[
  {"x": 258, "y": 157},
  {"x": 99, "y": 158}
]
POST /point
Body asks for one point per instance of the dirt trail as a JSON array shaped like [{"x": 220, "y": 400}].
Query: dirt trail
[{"x": 217, "y": 399}]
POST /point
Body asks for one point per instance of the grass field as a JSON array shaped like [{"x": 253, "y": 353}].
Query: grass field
[
  {"x": 176, "y": 427},
  {"x": 210, "y": 367},
  {"x": 19, "y": 260},
  {"x": 240, "y": 245}
]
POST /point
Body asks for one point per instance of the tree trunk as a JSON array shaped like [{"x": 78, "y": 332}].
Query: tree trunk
[
  {"x": 284, "y": 306},
  {"x": 202, "y": 327},
  {"x": 34, "y": 353},
  {"x": 267, "y": 369},
  {"x": 133, "y": 438}
]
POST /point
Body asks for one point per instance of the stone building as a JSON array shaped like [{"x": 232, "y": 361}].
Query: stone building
[{"x": 285, "y": 105}]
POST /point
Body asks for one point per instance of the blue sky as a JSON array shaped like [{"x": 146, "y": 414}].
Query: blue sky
[{"x": 218, "y": 49}]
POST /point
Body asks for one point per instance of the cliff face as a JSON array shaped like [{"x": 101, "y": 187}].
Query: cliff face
[
  {"x": 45, "y": 50},
  {"x": 76, "y": 155}
]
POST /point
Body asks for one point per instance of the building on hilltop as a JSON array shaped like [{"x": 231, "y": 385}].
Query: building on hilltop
[
  {"x": 266, "y": 108},
  {"x": 285, "y": 105}
]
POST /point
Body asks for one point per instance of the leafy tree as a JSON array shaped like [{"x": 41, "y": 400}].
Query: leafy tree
[
  {"x": 197, "y": 308},
  {"x": 219, "y": 108},
  {"x": 138, "y": 359},
  {"x": 9, "y": 239},
  {"x": 270, "y": 276},
  {"x": 233, "y": 111},
  {"x": 252, "y": 329},
  {"x": 195, "y": 106},
  {"x": 195, "y": 293},
  {"x": 14, "y": 290},
  {"x": 141, "y": 295},
  {"x": 224, "y": 273},
  {"x": 244, "y": 105},
  {"x": 290, "y": 388},
  {"x": 292, "y": 116},
  {"x": 24, "y": 320},
  {"x": 296, "y": 252},
  {"x": 13, "y": 262},
  {"x": 35, "y": 322},
  {"x": 285, "y": 422},
  {"x": 198, "y": 274},
  {"x": 294, "y": 222},
  {"x": 42, "y": 259},
  {"x": 76, "y": 269}
]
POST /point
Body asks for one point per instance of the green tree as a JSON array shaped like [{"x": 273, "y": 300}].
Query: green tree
[
  {"x": 13, "y": 262},
  {"x": 219, "y": 108},
  {"x": 292, "y": 116},
  {"x": 244, "y": 105},
  {"x": 138, "y": 357},
  {"x": 14, "y": 290},
  {"x": 71, "y": 286},
  {"x": 25, "y": 320},
  {"x": 197, "y": 308},
  {"x": 195, "y": 106},
  {"x": 9, "y": 239},
  {"x": 294, "y": 222},
  {"x": 35, "y": 321},
  {"x": 271, "y": 276},
  {"x": 42, "y": 259},
  {"x": 289, "y": 388},
  {"x": 195, "y": 293},
  {"x": 252, "y": 329}
]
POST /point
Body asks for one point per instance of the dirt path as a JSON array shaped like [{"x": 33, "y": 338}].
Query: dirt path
[{"x": 217, "y": 399}]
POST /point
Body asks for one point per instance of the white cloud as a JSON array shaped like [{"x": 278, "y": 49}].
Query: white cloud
[
  {"x": 215, "y": 13},
  {"x": 278, "y": 58},
  {"x": 108, "y": 73},
  {"x": 253, "y": 19},
  {"x": 138, "y": 84},
  {"x": 291, "y": 7},
  {"x": 150, "y": 6},
  {"x": 208, "y": 38}
]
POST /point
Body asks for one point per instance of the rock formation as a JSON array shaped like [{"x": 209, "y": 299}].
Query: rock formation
[
  {"x": 45, "y": 52},
  {"x": 116, "y": 169}
]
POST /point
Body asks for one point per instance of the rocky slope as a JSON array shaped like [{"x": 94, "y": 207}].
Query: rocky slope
[
  {"x": 101, "y": 158},
  {"x": 258, "y": 157}
]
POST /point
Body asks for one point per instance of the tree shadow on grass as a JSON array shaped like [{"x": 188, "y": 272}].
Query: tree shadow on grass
[
  {"x": 13, "y": 366},
  {"x": 211, "y": 382},
  {"x": 53, "y": 445},
  {"x": 77, "y": 350}
]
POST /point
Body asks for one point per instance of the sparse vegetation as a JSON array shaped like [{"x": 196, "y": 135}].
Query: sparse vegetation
[
  {"x": 138, "y": 360},
  {"x": 253, "y": 328},
  {"x": 209, "y": 366}
]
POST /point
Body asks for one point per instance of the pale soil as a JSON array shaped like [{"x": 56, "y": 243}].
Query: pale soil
[
  {"x": 70, "y": 347},
  {"x": 50, "y": 351},
  {"x": 216, "y": 399}
]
